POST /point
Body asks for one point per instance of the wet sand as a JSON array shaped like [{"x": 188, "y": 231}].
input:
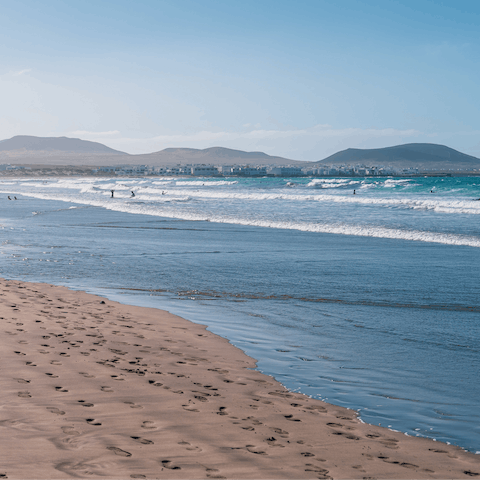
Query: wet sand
[{"x": 93, "y": 388}]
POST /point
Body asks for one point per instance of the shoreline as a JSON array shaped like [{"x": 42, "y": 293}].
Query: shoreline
[{"x": 93, "y": 388}]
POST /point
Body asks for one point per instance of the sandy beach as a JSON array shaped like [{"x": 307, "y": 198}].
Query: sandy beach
[{"x": 93, "y": 388}]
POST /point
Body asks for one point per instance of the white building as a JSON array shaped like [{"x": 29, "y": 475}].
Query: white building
[
  {"x": 285, "y": 171},
  {"x": 204, "y": 170}
]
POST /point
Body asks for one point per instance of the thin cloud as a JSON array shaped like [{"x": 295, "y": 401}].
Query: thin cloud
[
  {"x": 21, "y": 72},
  {"x": 319, "y": 131},
  {"x": 110, "y": 133}
]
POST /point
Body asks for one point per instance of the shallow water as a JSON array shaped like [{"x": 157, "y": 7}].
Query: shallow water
[{"x": 387, "y": 324}]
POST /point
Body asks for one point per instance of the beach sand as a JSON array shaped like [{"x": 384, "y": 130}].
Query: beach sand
[{"x": 93, "y": 388}]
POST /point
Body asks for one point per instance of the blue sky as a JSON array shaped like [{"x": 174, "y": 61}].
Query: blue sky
[{"x": 299, "y": 79}]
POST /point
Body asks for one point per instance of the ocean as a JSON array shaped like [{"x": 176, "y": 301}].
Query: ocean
[{"x": 363, "y": 292}]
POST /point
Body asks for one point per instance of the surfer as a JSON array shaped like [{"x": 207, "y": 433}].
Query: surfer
[
  {"x": 113, "y": 191},
  {"x": 354, "y": 192},
  {"x": 133, "y": 194},
  {"x": 9, "y": 197}
]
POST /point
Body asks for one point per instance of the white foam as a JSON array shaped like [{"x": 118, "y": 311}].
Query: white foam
[
  {"x": 205, "y": 183},
  {"x": 163, "y": 210},
  {"x": 453, "y": 205}
]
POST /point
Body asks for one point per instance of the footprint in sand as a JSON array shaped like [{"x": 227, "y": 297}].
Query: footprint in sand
[
  {"x": 290, "y": 417},
  {"x": 70, "y": 431},
  {"x": 347, "y": 435},
  {"x": 55, "y": 410},
  {"x": 61, "y": 389},
  {"x": 201, "y": 398},
  {"x": 313, "y": 468},
  {"x": 389, "y": 443},
  {"x": 55, "y": 362},
  {"x": 210, "y": 472},
  {"x": 189, "y": 409},
  {"x": 143, "y": 441},
  {"x": 192, "y": 448},
  {"x": 154, "y": 383},
  {"x": 22, "y": 380},
  {"x": 106, "y": 389},
  {"x": 119, "y": 451},
  {"x": 272, "y": 442},
  {"x": 137, "y": 475},
  {"x": 133, "y": 405},
  {"x": 20, "y": 353},
  {"x": 92, "y": 421},
  {"x": 316, "y": 408},
  {"x": 30, "y": 364},
  {"x": 24, "y": 394},
  {"x": 218, "y": 370},
  {"x": 254, "y": 449},
  {"x": 168, "y": 464},
  {"x": 85, "y": 404},
  {"x": 86, "y": 375},
  {"x": 147, "y": 424}
]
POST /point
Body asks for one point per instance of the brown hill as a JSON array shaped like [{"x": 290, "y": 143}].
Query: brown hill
[
  {"x": 26, "y": 150},
  {"x": 213, "y": 155},
  {"x": 31, "y": 146},
  {"x": 422, "y": 155}
]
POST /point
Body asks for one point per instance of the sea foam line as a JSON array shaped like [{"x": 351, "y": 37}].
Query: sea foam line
[
  {"x": 440, "y": 205},
  {"x": 338, "y": 229}
]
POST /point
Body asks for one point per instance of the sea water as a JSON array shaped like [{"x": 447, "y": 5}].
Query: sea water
[{"x": 367, "y": 300}]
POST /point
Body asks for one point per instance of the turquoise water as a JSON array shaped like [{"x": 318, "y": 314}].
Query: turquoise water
[{"x": 370, "y": 301}]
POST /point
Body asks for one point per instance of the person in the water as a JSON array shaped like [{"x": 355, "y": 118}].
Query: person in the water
[
  {"x": 113, "y": 191},
  {"x": 133, "y": 193}
]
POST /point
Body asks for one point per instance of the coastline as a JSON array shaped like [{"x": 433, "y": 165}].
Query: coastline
[{"x": 170, "y": 399}]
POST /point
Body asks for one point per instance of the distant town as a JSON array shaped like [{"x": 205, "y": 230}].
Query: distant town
[
  {"x": 202, "y": 170},
  {"x": 205, "y": 170}
]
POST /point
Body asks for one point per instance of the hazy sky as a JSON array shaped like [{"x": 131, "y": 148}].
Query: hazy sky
[{"x": 299, "y": 79}]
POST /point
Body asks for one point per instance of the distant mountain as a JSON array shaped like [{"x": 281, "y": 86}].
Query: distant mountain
[
  {"x": 213, "y": 155},
  {"x": 29, "y": 150},
  {"x": 31, "y": 146},
  {"x": 426, "y": 155}
]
